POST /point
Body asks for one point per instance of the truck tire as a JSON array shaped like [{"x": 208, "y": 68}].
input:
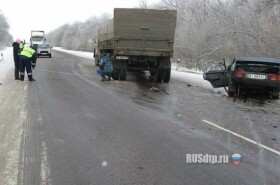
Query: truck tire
[
  {"x": 96, "y": 61},
  {"x": 116, "y": 74},
  {"x": 153, "y": 73},
  {"x": 159, "y": 76},
  {"x": 123, "y": 74},
  {"x": 166, "y": 75}
]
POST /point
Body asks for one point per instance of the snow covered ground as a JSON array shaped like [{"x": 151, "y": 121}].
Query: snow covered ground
[
  {"x": 184, "y": 75},
  {"x": 84, "y": 54},
  {"x": 6, "y": 62}
]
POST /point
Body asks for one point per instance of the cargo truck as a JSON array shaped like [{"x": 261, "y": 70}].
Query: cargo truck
[
  {"x": 37, "y": 37},
  {"x": 138, "y": 40}
]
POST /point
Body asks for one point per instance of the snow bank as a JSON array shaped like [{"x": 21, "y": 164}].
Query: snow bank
[
  {"x": 184, "y": 75},
  {"x": 190, "y": 78},
  {"x": 88, "y": 55},
  {"x": 6, "y": 62}
]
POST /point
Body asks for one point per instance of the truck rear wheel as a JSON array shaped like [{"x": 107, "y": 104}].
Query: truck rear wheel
[
  {"x": 159, "y": 76},
  {"x": 96, "y": 61},
  {"x": 116, "y": 74},
  {"x": 166, "y": 75},
  {"x": 123, "y": 74},
  {"x": 153, "y": 73}
]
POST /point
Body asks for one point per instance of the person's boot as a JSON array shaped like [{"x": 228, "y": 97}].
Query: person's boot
[
  {"x": 31, "y": 79},
  {"x": 109, "y": 78},
  {"x": 104, "y": 78}
]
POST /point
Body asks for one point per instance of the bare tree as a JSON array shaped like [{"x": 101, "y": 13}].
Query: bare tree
[
  {"x": 212, "y": 29},
  {"x": 77, "y": 35},
  {"x": 5, "y": 37},
  {"x": 143, "y": 4}
]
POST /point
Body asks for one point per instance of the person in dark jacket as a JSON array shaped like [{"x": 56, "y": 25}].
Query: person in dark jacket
[
  {"x": 16, "y": 48},
  {"x": 105, "y": 67},
  {"x": 27, "y": 59}
]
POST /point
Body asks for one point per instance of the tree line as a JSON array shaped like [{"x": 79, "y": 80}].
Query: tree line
[
  {"x": 5, "y": 37},
  {"x": 206, "y": 31}
]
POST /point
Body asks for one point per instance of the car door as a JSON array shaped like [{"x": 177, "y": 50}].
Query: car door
[{"x": 217, "y": 78}]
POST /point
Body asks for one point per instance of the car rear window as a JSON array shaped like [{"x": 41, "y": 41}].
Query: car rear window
[{"x": 258, "y": 67}]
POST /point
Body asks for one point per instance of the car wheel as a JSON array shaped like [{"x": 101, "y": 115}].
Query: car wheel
[
  {"x": 50, "y": 56},
  {"x": 232, "y": 89},
  {"x": 275, "y": 94}
]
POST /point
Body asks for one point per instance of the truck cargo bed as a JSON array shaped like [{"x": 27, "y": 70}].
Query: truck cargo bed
[{"x": 139, "y": 32}]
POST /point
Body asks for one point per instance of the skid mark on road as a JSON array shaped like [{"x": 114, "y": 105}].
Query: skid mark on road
[
  {"x": 243, "y": 137},
  {"x": 45, "y": 170},
  {"x": 74, "y": 74}
]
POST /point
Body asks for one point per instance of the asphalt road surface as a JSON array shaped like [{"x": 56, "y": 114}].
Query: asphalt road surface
[{"x": 81, "y": 131}]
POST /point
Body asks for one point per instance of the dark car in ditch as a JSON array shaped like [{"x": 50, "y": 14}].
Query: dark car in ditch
[{"x": 248, "y": 74}]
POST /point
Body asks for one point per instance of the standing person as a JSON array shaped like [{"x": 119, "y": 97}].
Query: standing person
[
  {"x": 16, "y": 48},
  {"x": 27, "y": 59},
  {"x": 105, "y": 67}
]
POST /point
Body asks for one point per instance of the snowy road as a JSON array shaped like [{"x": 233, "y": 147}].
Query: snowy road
[{"x": 79, "y": 130}]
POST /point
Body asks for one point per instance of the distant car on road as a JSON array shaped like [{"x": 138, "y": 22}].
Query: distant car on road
[
  {"x": 248, "y": 73},
  {"x": 44, "y": 50}
]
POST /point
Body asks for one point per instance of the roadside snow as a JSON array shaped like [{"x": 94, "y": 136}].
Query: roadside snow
[
  {"x": 190, "y": 78},
  {"x": 184, "y": 75},
  {"x": 88, "y": 55},
  {"x": 6, "y": 62}
]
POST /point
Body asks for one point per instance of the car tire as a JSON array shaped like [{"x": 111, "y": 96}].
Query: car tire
[
  {"x": 275, "y": 94},
  {"x": 232, "y": 89},
  {"x": 50, "y": 56}
]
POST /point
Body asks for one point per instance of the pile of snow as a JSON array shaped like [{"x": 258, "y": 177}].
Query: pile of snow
[
  {"x": 190, "y": 78},
  {"x": 183, "y": 74},
  {"x": 6, "y": 62}
]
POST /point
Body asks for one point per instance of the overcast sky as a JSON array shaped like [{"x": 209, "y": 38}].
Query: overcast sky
[{"x": 26, "y": 15}]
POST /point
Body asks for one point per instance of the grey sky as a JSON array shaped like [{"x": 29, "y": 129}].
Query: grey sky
[{"x": 26, "y": 15}]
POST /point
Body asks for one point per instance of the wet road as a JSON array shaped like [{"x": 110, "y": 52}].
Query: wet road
[{"x": 80, "y": 130}]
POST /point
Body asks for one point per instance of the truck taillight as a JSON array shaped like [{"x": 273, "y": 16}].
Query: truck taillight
[
  {"x": 273, "y": 77},
  {"x": 121, "y": 53},
  {"x": 239, "y": 74}
]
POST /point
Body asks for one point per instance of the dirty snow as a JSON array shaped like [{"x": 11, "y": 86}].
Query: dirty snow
[
  {"x": 12, "y": 117},
  {"x": 191, "y": 77},
  {"x": 6, "y": 62}
]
